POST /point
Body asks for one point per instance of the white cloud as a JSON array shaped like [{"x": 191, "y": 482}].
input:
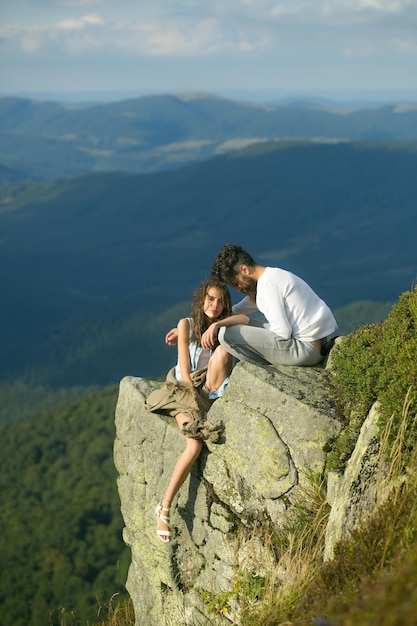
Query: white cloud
[
  {"x": 79, "y": 24},
  {"x": 79, "y": 3},
  {"x": 362, "y": 51},
  {"x": 30, "y": 45},
  {"x": 181, "y": 37},
  {"x": 308, "y": 10},
  {"x": 190, "y": 28},
  {"x": 59, "y": 37},
  {"x": 406, "y": 46},
  {"x": 190, "y": 37},
  {"x": 385, "y": 6}
]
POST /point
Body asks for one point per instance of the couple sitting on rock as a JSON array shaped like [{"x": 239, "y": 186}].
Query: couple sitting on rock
[{"x": 297, "y": 323}]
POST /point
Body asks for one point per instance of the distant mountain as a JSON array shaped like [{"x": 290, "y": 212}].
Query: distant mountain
[
  {"x": 347, "y": 104},
  {"x": 10, "y": 175},
  {"x": 153, "y": 133},
  {"x": 83, "y": 260}
]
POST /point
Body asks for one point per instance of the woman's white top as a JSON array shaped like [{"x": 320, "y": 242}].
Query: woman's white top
[{"x": 199, "y": 357}]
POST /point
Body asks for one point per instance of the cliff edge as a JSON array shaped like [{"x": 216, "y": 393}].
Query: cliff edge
[{"x": 278, "y": 422}]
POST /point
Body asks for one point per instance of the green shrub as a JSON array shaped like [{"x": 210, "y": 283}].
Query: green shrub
[
  {"x": 376, "y": 362},
  {"x": 398, "y": 376}
]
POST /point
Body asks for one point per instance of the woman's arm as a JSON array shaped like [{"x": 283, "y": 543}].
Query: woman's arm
[
  {"x": 183, "y": 351},
  {"x": 209, "y": 338}
]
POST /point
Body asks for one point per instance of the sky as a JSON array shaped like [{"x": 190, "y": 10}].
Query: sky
[{"x": 218, "y": 46}]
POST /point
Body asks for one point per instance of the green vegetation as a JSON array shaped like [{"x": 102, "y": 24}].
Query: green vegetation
[
  {"x": 118, "y": 612},
  {"x": 60, "y": 541},
  {"x": 20, "y": 401},
  {"x": 377, "y": 362}
]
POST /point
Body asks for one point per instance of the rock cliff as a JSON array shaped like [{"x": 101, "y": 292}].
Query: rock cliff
[{"x": 277, "y": 424}]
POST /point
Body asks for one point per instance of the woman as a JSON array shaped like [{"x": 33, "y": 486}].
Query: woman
[{"x": 199, "y": 377}]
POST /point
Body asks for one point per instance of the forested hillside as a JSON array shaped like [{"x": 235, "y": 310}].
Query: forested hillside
[{"x": 60, "y": 540}]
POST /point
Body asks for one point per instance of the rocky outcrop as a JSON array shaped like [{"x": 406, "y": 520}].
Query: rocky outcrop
[
  {"x": 364, "y": 485},
  {"x": 277, "y": 423}
]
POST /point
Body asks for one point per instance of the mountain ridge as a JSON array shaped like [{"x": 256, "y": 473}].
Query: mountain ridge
[{"x": 162, "y": 132}]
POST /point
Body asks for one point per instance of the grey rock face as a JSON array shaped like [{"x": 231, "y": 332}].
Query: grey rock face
[
  {"x": 356, "y": 494},
  {"x": 277, "y": 423}
]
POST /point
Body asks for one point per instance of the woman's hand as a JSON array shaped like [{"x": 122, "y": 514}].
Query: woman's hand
[
  {"x": 171, "y": 338},
  {"x": 209, "y": 338}
]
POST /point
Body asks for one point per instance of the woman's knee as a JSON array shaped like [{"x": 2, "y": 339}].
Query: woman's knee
[
  {"x": 219, "y": 368},
  {"x": 220, "y": 358},
  {"x": 193, "y": 447}
]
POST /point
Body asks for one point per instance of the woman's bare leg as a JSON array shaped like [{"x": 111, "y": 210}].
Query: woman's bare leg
[
  {"x": 182, "y": 468},
  {"x": 219, "y": 368}
]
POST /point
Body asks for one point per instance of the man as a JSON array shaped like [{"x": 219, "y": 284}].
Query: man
[{"x": 298, "y": 321}]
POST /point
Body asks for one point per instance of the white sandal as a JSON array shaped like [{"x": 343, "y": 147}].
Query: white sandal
[{"x": 164, "y": 535}]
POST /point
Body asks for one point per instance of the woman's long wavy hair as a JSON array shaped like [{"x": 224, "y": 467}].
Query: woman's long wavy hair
[{"x": 201, "y": 321}]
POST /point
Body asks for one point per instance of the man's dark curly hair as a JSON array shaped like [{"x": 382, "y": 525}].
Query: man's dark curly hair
[{"x": 227, "y": 262}]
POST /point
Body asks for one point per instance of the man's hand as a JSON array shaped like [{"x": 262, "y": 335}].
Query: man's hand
[
  {"x": 171, "y": 338},
  {"x": 209, "y": 338}
]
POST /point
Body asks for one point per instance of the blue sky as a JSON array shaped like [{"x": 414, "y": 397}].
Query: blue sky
[{"x": 221, "y": 46}]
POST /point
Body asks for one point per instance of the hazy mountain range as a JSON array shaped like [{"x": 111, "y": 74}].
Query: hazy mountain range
[{"x": 42, "y": 139}]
